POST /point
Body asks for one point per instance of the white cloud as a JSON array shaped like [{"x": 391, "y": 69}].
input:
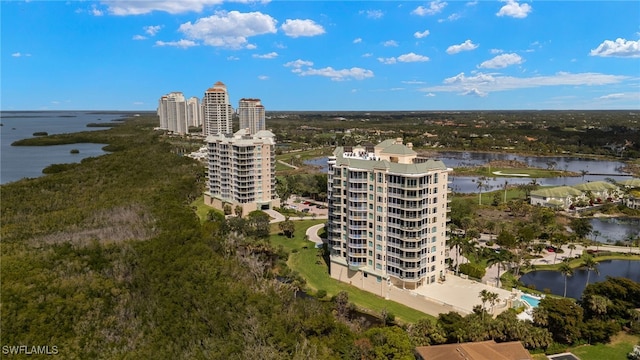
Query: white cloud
[
  {"x": 96, "y": 12},
  {"x": 487, "y": 83},
  {"x": 514, "y": 9},
  {"x": 152, "y": 30},
  {"x": 413, "y": 82},
  {"x": 501, "y": 61},
  {"x": 185, "y": 44},
  {"x": 373, "y": 14},
  {"x": 139, "y": 37},
  {"x": 474, "y": 92},
  {"x": 420, "y": 35},
  {"x": 137, "y": 7},
  {"x": 612, "y": 96},
  {"x": 339, "y": 75},
  {"x": 430, "y": 95},
  {"x": 410, "y": 57},
  {"x": 251, "y": 46},
  {"x": 496, "y": 51},
  {"x": 452, "y": 17},
  {"x": 263, "y": 77},
  {"x": 465, "y": 46},
  {"x": 618, "y": 48},
  {"x": 357, "y": 40},
  {"x": 297, "y": 28},
  {"x": 271, "y": 55},
  {"x": 389, "y": 43},
  {"x": 232, "y": 58},
  {"x": 19, "y": 54},
  {"x": 472, "y": 3},
  {"x": 367, "y": 55},
  {"x": 229, "y": 29},
  {"x": 335, "y": 75},
  {"x": 434, "y": 8}
]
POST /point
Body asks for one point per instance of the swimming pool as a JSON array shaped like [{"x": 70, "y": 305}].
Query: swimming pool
[{"x": 531, "y": 300}]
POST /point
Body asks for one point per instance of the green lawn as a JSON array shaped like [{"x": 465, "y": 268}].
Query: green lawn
[
  {"x": 313, "y": 269},
  {"x": 201, "y": 209},
  {"x": 618, "y": 348}
]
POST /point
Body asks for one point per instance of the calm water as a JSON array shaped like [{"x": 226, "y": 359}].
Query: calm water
[
  {"x": 17, "y": 162},
  {"x": 614, "y": 229},
  {"x": 554, "y": 280},
  {"x": 466, "y": 184}
]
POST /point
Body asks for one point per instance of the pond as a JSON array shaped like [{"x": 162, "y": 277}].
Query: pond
[
  {"x": 597, "y": 170},
  {"x": 554, "y": 280},
  {"x": 611, "y": 229}
]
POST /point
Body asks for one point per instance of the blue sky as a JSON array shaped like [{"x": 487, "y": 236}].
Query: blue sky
[{"x": 322, "y": 55}]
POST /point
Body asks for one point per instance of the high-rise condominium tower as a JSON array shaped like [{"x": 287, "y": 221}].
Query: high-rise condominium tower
[
  {"x": 387, "y": 216},
  {"x": 172, "y": 110},
  {"x": 242, "y": 171},
  {"x": 193, "y": 112},
  {"x": 217, "y": 111},
  {"x": 251, "y": 113}
]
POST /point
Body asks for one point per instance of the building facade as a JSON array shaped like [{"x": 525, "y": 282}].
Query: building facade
[
  {"x": 217, "y": 111},
  {"x": 388, "y": 214},
  {"x": 251, "y": 115},
  {"x": 194, "y": 112},
  {"x": 241, "y": 170},
  {"x": 172, "y": 111}
]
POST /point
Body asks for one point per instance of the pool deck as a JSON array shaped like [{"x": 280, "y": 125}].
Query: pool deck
[{"x": 462, "y": 294}]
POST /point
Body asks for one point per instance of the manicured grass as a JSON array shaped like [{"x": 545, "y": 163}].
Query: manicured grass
[
  {"x": 490, "y": 172},
  {"x": 306, "y": 154},
  {"x": 314, "y": 270},
  {"x": 618, "y": 348},
  {"x": 576, "y": 263},
  {"x": 201, "y": 209}
]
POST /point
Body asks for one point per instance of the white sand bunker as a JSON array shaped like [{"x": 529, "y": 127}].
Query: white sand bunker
[{"x": 508, "y": 174}]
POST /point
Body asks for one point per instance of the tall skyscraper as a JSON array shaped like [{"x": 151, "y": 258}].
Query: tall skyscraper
[
  {"x": 172, "y": 110},
  {"x": 241, "y": 171},
  {"x": 217, "y": 111},
  {"x": 193, "y": 112},
  {"x": 388, "y": 212},
  {"x": 251, "y": 114}
]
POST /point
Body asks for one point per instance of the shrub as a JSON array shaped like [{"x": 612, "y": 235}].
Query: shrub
[
  {"x": 321, "y": 294},
  {"x": 555, "y": 348},
  {"x": 473, "y": 270}
]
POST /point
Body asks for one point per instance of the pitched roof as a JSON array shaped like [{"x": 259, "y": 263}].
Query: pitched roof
[
  {"x": 556, "y": 192},
  {"x": 483, "y": 350},
  {"x": 595, "y": 186}
]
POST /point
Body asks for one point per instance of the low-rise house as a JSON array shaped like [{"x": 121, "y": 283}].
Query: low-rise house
[
  {"x": 601, "y": 190},
  {"x": 482, "y": 350},
  {"x": 561, "y": 197}
]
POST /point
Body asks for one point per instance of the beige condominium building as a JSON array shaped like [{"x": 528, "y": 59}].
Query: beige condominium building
[
  {"x": 172, "y": 111},
  {"x": 388, "y": 214},
  {"x": 216, "y": 111},
  {"x": 251, "y": 115},
  {"x": 241, "y": 171}
]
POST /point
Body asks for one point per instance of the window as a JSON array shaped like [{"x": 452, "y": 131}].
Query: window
[{"x": 379, "y": 247}]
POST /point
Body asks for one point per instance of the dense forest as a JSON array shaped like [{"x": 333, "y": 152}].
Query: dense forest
[{"x": 106, "y": 259}]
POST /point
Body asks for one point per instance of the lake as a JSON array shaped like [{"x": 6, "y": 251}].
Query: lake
[
  {"x": 599, "y": 169},
  {"x": 17, "y": 162},
  {"x": 612, "y": 229},
  {"x": 554, "y": 280}
]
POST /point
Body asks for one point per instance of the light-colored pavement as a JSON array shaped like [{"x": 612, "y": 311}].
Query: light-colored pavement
[
  {"x": 312, "y": 234},
  {"x": 276, "y": 216}
]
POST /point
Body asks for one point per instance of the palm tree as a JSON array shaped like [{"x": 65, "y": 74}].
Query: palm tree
[
  {"x": 481, "y": 185},
  {"x": 590, "y": 264},
  {"x": 566, "y": 271},
  {"x": 499, "y": 258},
  {"x": 506, "y": 184},
  {"x": 456, "y": 242},
  {"x": 484, "y": 297},
  {"x": 596, "y": 233},
  {"x": 571, "y": 247},
  {"x": 493, "y": 298}
]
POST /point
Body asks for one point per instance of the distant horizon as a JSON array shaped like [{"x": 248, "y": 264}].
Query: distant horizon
[
  {"x": 326, "y": 55},
  {"x": 330, "y": 111}
]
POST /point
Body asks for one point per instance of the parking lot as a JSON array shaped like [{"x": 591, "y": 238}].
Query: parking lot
[{"x": 308, "y": 206}]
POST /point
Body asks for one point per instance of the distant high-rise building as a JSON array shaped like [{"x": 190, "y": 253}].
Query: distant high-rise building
[
  {"x": 388, "y": 213},
  {"x": 251, "y": 114},
  {"x": 217, "y": 111},
  {"x": 194, "y": 112},
  {"x": 241, "y": 170},
  {"x": 172, "y": 110}
]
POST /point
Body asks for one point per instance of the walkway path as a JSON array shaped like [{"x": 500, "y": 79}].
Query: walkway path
[
  {"x": 287, "y": 164},
  {"x": 312, "y": 234}
]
